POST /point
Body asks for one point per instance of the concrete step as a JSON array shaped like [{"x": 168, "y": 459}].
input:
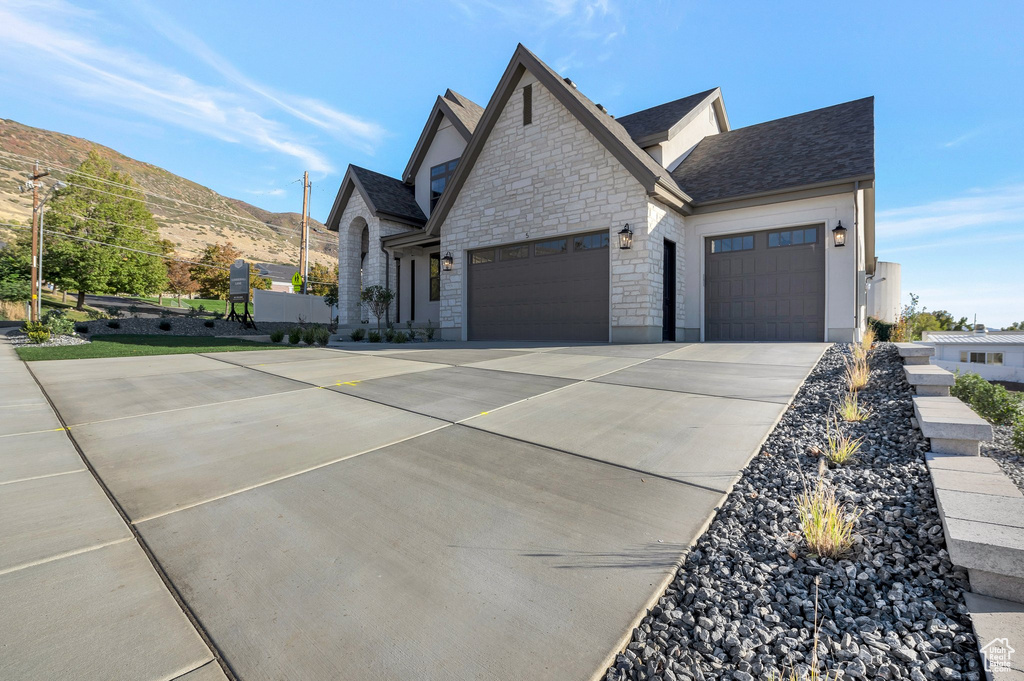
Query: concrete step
[
  {"x": 951, "y": 425},
  {"x": 929, "y": 380},
  {"x": 999, "y": 628},
  {"x": 915, "y": 354}
]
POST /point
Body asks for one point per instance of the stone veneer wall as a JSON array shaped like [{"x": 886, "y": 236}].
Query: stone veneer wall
[
  {"x": 553, "y": 177},
  {"x": 350, "y": 230}
]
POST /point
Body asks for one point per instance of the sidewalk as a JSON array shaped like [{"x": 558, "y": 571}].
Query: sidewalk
[{"x": 81, "y": 600}]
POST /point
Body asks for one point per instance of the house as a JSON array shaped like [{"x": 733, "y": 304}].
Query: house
[
  {"x": 995, "y": 356},
  {"x": 280, "y": 276},
  {"x": 543, "y": 217}
]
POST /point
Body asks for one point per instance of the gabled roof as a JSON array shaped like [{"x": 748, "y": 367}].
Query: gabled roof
[
  {"x": 385, "y": 196},
  {"x": 817, "y": 148},
  {"x": 464, "y": 115},
  {"x": 654, "y": 178},
  {"x": 662, "y": 122}
]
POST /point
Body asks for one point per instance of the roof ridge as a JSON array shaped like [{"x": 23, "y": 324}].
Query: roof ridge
[
  {"x": 702, "y": 95},
  {"x": 797, "y": 115}
]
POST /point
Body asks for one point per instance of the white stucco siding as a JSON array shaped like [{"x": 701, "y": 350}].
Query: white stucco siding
[
  {"x": 447, "y": 145},
  {"x": 947, "y": 356},
  {"x": 884, "y": 292},
  {"x": 842, "y": 316},
  {"x": 549, "y": 177},
  {"x": 672, "y": 151},
  {"x": 425, "y": 309}
]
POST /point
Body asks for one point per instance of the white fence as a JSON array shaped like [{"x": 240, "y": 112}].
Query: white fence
[{"x": 274, "y": 306}]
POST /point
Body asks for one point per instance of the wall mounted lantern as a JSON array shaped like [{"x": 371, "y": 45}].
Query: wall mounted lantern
[
  {"x": 626, "y": 237},
  {"x": 839, "y": 235},
  {"x": 447, "y": 261}
]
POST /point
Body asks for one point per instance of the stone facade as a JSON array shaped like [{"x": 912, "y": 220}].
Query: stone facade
[
  {"x": 554, "y": 177},
  {"x": 357, "y": 217}
]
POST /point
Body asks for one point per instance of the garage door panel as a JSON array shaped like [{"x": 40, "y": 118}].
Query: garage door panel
[
  {"x": 540, "y": 297},
  {"x": 766, "y": 293}
]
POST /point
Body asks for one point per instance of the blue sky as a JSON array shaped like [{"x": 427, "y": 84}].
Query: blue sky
[{"x": 244, "y": 96}]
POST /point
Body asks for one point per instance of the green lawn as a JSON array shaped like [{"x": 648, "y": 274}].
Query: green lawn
[
  {"x": 52, "y": 301},
  {"x": 211, "y": 304},
  {"x": 137, "y": 346}
]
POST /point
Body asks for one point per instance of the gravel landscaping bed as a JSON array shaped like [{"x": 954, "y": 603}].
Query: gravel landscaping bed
[
  {"x": 742, "y": 605},
  {"x": 181, "y": 326},
  {"x": 1006, "y": 455},
  {"x": 19, "y": 339}
]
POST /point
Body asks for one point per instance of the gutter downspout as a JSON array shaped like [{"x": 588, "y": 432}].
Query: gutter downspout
[{"x": 856, "y": 259}]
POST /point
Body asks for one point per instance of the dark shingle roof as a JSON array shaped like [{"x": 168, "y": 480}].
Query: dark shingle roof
[
  {"x": 830, "y": 144},
  {"x": 468, "y": 111},
  {"x": 389, "y": 195},
  {"x": 659, "y": 119}
]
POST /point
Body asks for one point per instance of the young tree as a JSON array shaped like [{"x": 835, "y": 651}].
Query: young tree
[
  {"x": 378, "y": 299},
  {"x": 179, "y": 279},
  {"x": 323, "y": 281},
  {"x": 214, "y": 279},
  {"x": 97, "y": 207}
]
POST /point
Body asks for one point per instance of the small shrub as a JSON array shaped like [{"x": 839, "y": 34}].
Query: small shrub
[
  {"x": 990, "y": 400},
  {"x": 164, "y": 326},
  {"x": 857, "y": 372},
  {"x": 826, "y": 524},
  {"x": 133, "y": 310},
  {"x": 1017, "y": 437},
  {"x": 295, "y": 335},
  {"x": 38, "y": 335},
  {"x": 81, "y": 328},
  {"x": 114, "y": 312},
  {"x": 401, "y": 337},
  {"x": 96, "y": 315},
  {"x": 276, "y": 336},
  {"x": 209, "y": 324},
  {"x": 842, "y": 449},
  {"x": 58, "y": 323},
  {"x": 849, "y": 409},
  {"x": 883, "y": 330},
  {"x": 429, "y": 330},
  {"x": 389, "y": 335},
  {"x": 308, "y": 336},
  {"x": 201, "y": 309},
  {"x": 357, "y": 335},
  {"x": 114, "y": 324},
  {"x": 373, "y": 337},
  {"x": 321, "y": 335}
]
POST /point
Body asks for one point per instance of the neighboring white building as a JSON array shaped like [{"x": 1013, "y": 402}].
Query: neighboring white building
[
  {"x": 733, "y": 233},
  {"x": 884, "y": 293},
  {"x": 996, "y": 356}
]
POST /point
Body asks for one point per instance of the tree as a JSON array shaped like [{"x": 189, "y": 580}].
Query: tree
[
  {"x": 179, "y": 279},
  {"x": 378, "y": 298},
  {"x": 101, "y": 205},
  {"x": 1016, "y": 326},
  {"x": 321, "y": 273},
  {"x": 213, "y": 274},
  {"x": 15, "y": 271}
]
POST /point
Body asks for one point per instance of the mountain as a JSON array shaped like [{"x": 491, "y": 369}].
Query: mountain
[{"x": 210, "y": 218}]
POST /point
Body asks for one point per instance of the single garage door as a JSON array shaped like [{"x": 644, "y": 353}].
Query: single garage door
[
  {"x": 766, "y": 286},
  {"x": 555, "y": 289}
]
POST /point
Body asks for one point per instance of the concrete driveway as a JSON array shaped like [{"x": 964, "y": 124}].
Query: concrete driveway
[{"x": 467, "y": 511}]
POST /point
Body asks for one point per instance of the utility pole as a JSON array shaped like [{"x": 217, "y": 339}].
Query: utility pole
[
  {"x": 36, "y": 302},
  {"x": 304, "y": 243}
]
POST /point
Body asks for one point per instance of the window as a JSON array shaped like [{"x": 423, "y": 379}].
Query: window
[
  {"x": 435, "y": 276},
  {"x": 482, "y": 257},
  {"x": 439, "y": 177},
  {"x": 553, "y": 247},
  {"x": 735, "y": 243},
  {"x": 514, "y": 252},
  {"x": 792, "y": 237},
  {"x": 590, "y": 242},
  {"x": 528, "y": 104},
  {"x": 981, "y": 357}
]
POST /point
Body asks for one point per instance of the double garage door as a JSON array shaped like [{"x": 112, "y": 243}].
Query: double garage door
[
  {"x": 766, "y": 286},
  {"x": 555, "y": 289}
]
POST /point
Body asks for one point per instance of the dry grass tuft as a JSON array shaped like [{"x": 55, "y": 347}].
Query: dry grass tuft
[
  {"x": 842, "y": 449},
  {"x": 12, "y": 311},
  {"x": 849, "y": 409},
  {"x": 858, "y": 373},
  {"x": 867, "y": 341},
  {"x": 826, "y": 524}
]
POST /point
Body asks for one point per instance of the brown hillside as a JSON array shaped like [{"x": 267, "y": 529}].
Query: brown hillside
[{"x": 261, "y": 235}]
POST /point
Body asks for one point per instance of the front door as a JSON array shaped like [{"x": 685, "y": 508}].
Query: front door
[{"x": 668, "y": 315}]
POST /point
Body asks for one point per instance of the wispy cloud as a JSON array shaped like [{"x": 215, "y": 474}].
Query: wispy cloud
[
  {"x": 966, "y": 137},
  {"x": 979, "y": 208},
  {"x": 119, "y": 78}
]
